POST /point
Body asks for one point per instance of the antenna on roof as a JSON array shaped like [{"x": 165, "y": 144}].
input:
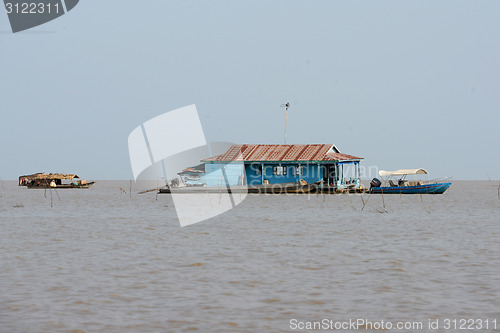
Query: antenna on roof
[{"x": 286, "y": 106}]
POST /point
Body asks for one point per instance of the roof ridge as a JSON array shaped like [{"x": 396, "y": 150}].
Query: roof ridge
[{"x": 278, "y": 153}]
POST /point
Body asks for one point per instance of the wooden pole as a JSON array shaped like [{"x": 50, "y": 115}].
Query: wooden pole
[
  {"x": 286, "y": 120},
  {"x": 383, "y": 201},
  {"x": 286, "y": 106},
  {"x": 365, "y": 202}
]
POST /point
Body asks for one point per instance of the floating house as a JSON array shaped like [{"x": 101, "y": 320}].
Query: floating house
[
  {"x": 258, "y": 164},
  {"x": 53, "y": 180}
]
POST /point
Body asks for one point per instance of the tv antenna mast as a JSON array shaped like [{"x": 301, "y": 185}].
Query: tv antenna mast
[{"x": 286, "y": 106}]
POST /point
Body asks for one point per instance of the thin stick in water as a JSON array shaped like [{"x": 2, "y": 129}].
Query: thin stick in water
[
  {"x": 365, "y": 202},
  {"x": 350, "y": 200},
  {"x": 383, "y": 201}
]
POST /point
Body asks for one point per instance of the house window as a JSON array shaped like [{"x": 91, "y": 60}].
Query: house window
[
  {"x": 279, "y": 170},
  {"x": 298, "y": 171}
]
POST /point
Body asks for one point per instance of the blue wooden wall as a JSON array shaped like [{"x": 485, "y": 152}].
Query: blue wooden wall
[
  {"x": 214, "y": 175},
  {"x": 238, "y": 173},
  {"x": 310, "y": 173}
]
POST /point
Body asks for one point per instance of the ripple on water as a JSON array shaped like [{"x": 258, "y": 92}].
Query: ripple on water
[{"x": 126, "y": 266}]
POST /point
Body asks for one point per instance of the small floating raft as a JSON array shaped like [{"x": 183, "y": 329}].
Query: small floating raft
[{"x": 53, "y": 180}]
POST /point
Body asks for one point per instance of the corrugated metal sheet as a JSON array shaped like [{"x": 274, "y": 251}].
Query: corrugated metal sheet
[
  {"x": 42, "y": 175},
  {"x": 342, "y": 157},
  {"x": 313, "y": 152}
]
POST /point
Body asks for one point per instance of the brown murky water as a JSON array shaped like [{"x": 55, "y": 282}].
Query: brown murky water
[{"x": 102, "y": 261}]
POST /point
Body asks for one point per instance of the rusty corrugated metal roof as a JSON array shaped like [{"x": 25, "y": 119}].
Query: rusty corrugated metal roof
[
  {"x": 42, "y": 175},
  {"x": 312, "y": 152},
  {"x": 342, "y": 157}
]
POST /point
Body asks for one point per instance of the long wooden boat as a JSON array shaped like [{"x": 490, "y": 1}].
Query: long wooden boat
[
  {"x": 437, "y": 188},
  {"x": 284, "y": 188},
  {"x": 63, "y": 186},
  {"x": 280, "y": 188},
  {"x": 405, "y": 186}
]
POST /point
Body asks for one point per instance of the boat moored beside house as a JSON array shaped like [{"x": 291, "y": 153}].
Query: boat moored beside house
[{"x": 399, "y": 182}]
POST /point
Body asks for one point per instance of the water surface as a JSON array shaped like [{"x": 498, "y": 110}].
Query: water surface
[{"x": 100, "y": 260}]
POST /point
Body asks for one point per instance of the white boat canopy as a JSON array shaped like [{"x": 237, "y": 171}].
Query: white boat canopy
[{"x": 403, "y": 172}]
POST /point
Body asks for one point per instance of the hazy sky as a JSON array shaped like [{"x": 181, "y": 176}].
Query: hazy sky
[{"x": 404, "y": 84}]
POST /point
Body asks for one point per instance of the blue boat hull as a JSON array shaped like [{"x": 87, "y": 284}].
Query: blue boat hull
[{"x": 438, "y": 188}]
